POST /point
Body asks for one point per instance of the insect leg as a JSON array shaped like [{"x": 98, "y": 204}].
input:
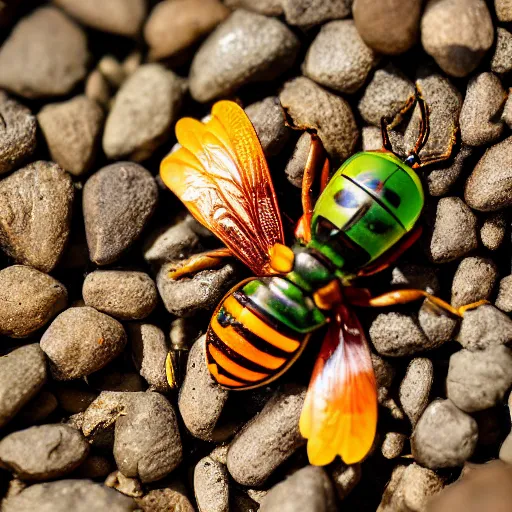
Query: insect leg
[{"x": 198, "y": 262}]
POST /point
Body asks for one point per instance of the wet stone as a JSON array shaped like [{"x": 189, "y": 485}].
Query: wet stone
[
  {"x": 479, "y": 380},
  {"x": 457, "y": 34},
  {"x": 81, "y": 341},
  {"x": 211, "y": 486},
  {"x": 312, "y": 107},
  {"x": 118, "y": 201},
  {"x": 306, "y": 13},
  {"x": 338, "y": 58},
  {"x": 45, "y": 55},
  {"x": 35, "y": 214},
  {"x": 415, "y": 388},
  {"x": 17, "y": 133},
  {"x": 268, "y": 439},
  {"x": 268, "y": 46},
  {"x": 493, "y": 229},
  {"x": 504, "y": 298},
  {"x": 441, "y": 178},
  {"x": 501, "y": 60},
  {"x": 43, "y": 453},
  {"x": 480, "y": 122}
]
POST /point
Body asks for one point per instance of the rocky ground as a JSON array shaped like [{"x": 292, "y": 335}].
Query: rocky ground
[{"x": 89, "y": 94}]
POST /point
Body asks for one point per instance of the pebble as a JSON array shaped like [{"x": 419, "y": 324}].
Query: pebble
[
  {"x": 201, "y": 400},
  {"x": 444, "y": 436},
  {"x": 397, "y": 334},
  {"x": 22, "y": 375},
  {"x": 506, "y": 115},
  {"x": 123, "y": 17},
  {"x": 174, "y": 25},
  {"x": 479, "y": 380},
  {"x": 149, "y": 351},
  {"x": 385, "y": 95},
  {"x": 377, "y": 23},
  {"x": 211, "y": 486},
  {"x": 127, "y": 486},
  {"x": 489, "y": 187},
  {"x": 312, "y": 107},
  {"x": 269, "y": 48},
  {"x": 45, "y": 55},
  {"x": 97, "y": 89},
  {"x": 493, "y": 229},
  {"x": 38, "y": 409},
  {"x": 393, "y": 445},
  {"x": 268, "y": 119},
  {"x": 190, "y": 295},
  {"x": 266, "y": 7},
  {"x": 438, "y": 326},
  {"x": 294, "y": 169},
  {"x": 503, "y": 10},
  {"x": 346, "y": 478},
  {"x": 454, "y": 233},
  {"x": 338, "y": 58},
  {"x": 147, "y": 441},
  {"x": 118, "y": 201},
  {"x": 268, "y": 439},
  {"x": 112, "y": 70},
  {"x": 484, "y": 327},
  {"x": 506, "y": 450},
  {"x": 421, "y": 277},
  {"x": 457, "y": 34},
  {"x": 504, "y": 298},
  {"x": 143, "y": 111},
  {"x": 35, "y": 214},
  {"x": 28, "y": 300},
  {"x": 18, "y": 133},
  {"x": 165, "y": 500},
  {"x": 307, "y": 489},
  {"x": 442, "y": 178},
  {"x": 474, "y": 280},
  {"x": 501, "y": 60},
  {"x": 66, "y": 495},
  {"x": 43, "y": 453},
  {"x": 480, "y": 122},
  {"x": 72, "y": 130},
  {"x": 81, "y": 341},
  {"x": 415, "y": 388},
  {"x": 123, "y": 294},
  {"x": 306, "y": 13}
]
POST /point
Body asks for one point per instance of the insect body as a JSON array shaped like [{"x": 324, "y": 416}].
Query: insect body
[{"x": 362, "y": 220}]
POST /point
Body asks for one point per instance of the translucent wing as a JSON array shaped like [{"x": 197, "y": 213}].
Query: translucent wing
[
  {"x": 221, "y": 175},
  {"x": 340, "y": 412}
]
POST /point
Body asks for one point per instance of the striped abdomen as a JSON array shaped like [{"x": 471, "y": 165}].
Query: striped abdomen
[{"x": 258, "y": 331}]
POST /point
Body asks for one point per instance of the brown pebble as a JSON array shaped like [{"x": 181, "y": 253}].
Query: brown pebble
[
  {"x": 125, "y": 485},
  {"x": 97, "y": 89},
  {"x": 503, "y": 9},
  {"x": 165, "y": 500}
]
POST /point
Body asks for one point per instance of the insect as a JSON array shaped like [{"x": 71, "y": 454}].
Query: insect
[{"x": 365, "y": 217}]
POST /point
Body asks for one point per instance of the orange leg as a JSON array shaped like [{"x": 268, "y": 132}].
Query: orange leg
[{"x": 198, "y": 262}]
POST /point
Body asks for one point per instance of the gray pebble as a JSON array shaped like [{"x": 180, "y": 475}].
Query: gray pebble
[
  {"x": 474, "y": 280},
  {"x": 149, "y": 350},
  {"x": 393, "y": 445},
  {"x": 377, "y": 23},
  {"x": 438, "y": 326},
  {"x": 35, "y": 214},
  {"x": 28, "y": 300},
  {"x": 480, "y": 122},
  {"x": 345, "y": 478},
  {"x": 72, "y": 130},
  {"x": 457, "y": 34},
  {"x": 268, "y": 119},
  {"x": 66, "y": 495},
  {"x": 18, "y": 133},
  {"x": 421, "y": 277},
  {"x": 22, "y": 375},
  {"x": 415, "y": 388},
  {"x": 211, "y": 486},
  {"x": 493, "y": 229},
  {"x": 81, "y": 341},
  {"x": 501, "y": 61},
  {"x": 479, "y": 380},
  {"x": 268, "y": 47},
  {"x": 484, "y": 327},
  {"x": 384, "y": 371},
  {"x": 372, "y": 140},
  {"x": 125, "y": 485},
  {"x": 165, "y": 500},
  {"x": 385, "y": 96},
  {"x": 307, "y": 489},
  {"x": 142, "y": 113},
  {"x": 38, "y": 409},
  {"x": 123, "y": 17},
  {"x": 45, "y": 55},
  {"x": 266, "y": 7},
  {"x": 441, "y": 178},
  {"x": 201, "y": 399},
  {"x": 506, "y": 450},
  {"x": 454, "y": 233},
  {"x": 504, "y": 298},
  {"x": 174, "y": 26},
  {"x": 190, "y": 295},
  {"x": 306, "y": 13},
  {"x": 43, "y": 453},
  {"x": 444, "y": 436},
  {"x": 118, "y": 201},
  {"x": 312, "y": 107},
  {"x": 503, "y": 9},
  {"x": 489, "y": 187},
  {"x": 123, "y": 294},
  {"x": 338, "y": 58},
  {"x": 296, "y": 164},
  {"x": 147, "y": 440},
  {"x": 268, "y": 439}
]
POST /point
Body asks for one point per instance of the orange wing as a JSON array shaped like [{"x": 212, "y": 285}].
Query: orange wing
[
  {"x": 222, "y": 177},
  {"x": 340, "y": 412}
]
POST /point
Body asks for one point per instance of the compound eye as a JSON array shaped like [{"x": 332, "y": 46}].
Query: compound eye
[{"x": 347, "y": 199}]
